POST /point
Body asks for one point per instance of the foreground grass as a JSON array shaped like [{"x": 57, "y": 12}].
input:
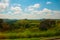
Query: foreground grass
[
  {"x": 41, "y": 38},
  {"x": 23, "y": 39},
  {"x": 27, "y": 34}
]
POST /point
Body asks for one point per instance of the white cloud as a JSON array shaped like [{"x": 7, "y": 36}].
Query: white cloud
[
  {"x": 3, "y": 5},
  {"x": 33, "y": 7},
  {"x": 36, "y": 5},
  {"x": 16, "y": 10},
  {"x": 45, "y": 13},
  {"x": 31, "y": 12},
  {"x": 6, "y": 16},
  {"x": 34, "y": 15},
  {"x": 46, "y": 10},
  {"x": 48, "y": 2}
]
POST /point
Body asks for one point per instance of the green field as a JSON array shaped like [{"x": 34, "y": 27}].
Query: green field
[{"x": 29, "y": 29}]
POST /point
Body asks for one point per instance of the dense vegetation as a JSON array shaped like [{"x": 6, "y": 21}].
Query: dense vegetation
[{"x": 29, "y": 28}]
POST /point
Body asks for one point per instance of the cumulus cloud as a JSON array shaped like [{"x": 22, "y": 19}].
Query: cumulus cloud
[
  {"x": 46, "y": 10},
  {"x": 51, "y": 14},
  {"x": 31, "y": 12},
  {"x": 48, "y": 2},
  {"x": 3, "y": 5},
  {"x": 6, "y": 16},
  {"x": 33, "y": 7},
  {"x": 36, "y": 5},
  {"x": 45, "y": 13},
  {"x": 16, "y": 10}
]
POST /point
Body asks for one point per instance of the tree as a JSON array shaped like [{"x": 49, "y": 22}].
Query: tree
[
  {"x": 5, "y": 26},
  {"x": 1, "y": 21},
  {"x": 46, "y": 24}
]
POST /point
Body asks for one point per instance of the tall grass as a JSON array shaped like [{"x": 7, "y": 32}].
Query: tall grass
[{"x": 29, "y": 34}]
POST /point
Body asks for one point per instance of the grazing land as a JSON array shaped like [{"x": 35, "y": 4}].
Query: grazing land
[{"x": 43, "y": 29}]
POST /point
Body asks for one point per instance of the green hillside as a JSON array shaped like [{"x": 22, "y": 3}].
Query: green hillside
[{"x": 29, "y": 29}]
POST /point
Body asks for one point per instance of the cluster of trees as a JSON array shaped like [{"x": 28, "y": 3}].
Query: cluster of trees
[
  {"x": 47, "y": 24},
  {"x": 42, "y": 25},
  {"x": 3, "y": 25}
]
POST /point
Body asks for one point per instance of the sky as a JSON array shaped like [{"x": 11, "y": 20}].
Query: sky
[{"x": 30, "y": 9}]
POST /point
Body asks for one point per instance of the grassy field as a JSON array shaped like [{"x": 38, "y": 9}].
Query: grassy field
[
  {"x": 41, "y": 38},
  {"x": 29, "y": 30},
  {"x": 23, "y": 39},
  {"x": 27, "y": 35}
]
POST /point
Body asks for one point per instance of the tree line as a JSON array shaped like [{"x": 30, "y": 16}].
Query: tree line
[{"x": 26, "y": 24}]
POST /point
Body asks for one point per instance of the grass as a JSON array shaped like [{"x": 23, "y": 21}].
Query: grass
[
  {"x": 28, "y": 34},
  {"x": 41, "y": 38},
  {"x": 23, "y": 39}
]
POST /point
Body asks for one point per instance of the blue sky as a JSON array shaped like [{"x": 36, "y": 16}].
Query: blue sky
[
  {"x": 30, "y": 9},
  {"x": 54, "y": 6}
]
